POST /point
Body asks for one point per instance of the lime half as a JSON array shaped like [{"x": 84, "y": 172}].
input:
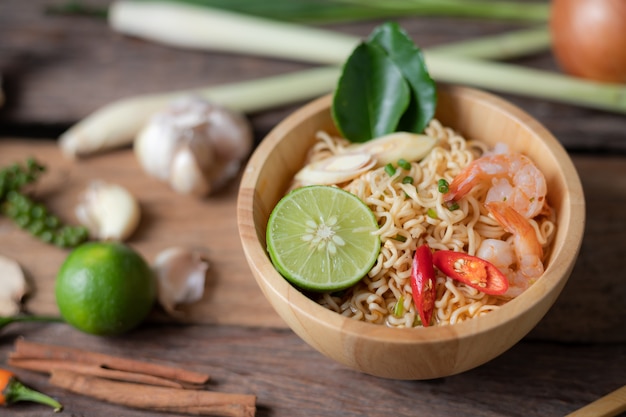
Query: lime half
[{"x": 321, "y": 238}]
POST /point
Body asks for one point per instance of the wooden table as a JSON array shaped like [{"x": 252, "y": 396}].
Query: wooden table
[{"x": 57, "y": 69}]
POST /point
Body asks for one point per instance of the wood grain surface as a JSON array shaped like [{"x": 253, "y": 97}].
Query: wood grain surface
[
  {"x": 533, "y": 379},
  {"x": 590, "y": 309},
  {"x": 57, "y": 69},
  {"x": 168, "y": 219}
]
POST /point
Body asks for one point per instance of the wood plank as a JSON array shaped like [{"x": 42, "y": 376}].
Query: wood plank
[
  {"x": 533, "y": 379},
  {"x": 168, "y": 219},
  {"x": 55, "y": 70},
  {"x": 590, "y": 309},
  {"x": 58, "y": 69}
]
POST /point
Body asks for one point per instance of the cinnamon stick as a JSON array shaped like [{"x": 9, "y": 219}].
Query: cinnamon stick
[
  {"x": 156, "y": 398},
  {"x": 48, "y": 365},
  {"x": 32, "y": 350}
]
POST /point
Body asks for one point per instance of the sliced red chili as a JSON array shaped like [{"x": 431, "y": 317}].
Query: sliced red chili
[
  {"x": 471, "y": 270},
  {"x": 423, "y": 283}
]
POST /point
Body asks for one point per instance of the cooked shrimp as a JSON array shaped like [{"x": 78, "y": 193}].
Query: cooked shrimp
[
  {"x": 502, "y": 255},
  {"x": 512, "y": 178},
  {"x": 499, "y": 252},
  {"x": 528, "y": 250}
]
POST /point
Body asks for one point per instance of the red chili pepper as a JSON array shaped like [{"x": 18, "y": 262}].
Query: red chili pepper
[
  {"x": 423, "y": 283},
  {"x": 471, "y": 270},
  {"x": 12, "y": 391}
]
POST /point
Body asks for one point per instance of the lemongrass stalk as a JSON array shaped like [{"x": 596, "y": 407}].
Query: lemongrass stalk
[
  {"x": 485, "y": 9},
  {"x": 502, "y": 46},
  {"x": 333, "y": 11},
  {"x": 316, "y": 11},
  {"x": 117, "y": 123},
  {"x": 526, "y": 81},
  {"x": 319, "y": 46},
  {"x": 194, "y": 27}
]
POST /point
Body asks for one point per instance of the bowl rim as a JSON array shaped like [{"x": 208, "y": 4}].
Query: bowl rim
[{"x": 556, "y": 273}]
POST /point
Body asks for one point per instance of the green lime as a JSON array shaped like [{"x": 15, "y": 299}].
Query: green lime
[
  {"x": 105, "y": 288},
  {"x": 321, "y": 238}
]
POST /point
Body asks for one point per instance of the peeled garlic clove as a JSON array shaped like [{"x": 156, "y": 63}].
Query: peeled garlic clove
[
  {"x": 335, "y": 169},
  {"x": 109, "y": 211},
  {"x": 390, "y": 148},
  {"x": 194, "y": 145},
  {"x": 13, "y": 287},
  {"x": 180, "y": 274}
]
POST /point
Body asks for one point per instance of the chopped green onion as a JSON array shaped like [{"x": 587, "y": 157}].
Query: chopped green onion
[
  {"x": 390, "y": 170},
  {"x": 432, "y": 213},
  {"x": 443, "y": 186},
  {"x": 398, "y": 309},
  {"x": 407, "y": 180},
  {"x": 453, "y": 206},
  {"x": 400, "y": 238},
  {"x": 404, "y": 164}
]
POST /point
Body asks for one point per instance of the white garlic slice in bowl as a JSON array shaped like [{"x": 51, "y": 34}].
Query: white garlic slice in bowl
[
  {"x": 388, "y": 149},
  {"x": 335, "y": 169},
  {"x": 108, "y": 211}
]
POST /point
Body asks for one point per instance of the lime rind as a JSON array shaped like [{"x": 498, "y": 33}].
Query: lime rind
[{"x": 320, "y": 238}]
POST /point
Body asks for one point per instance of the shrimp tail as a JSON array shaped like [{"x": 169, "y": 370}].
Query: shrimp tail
[
  {"x": 463, "y": 183},
  {"x": 527, "y": 247}
]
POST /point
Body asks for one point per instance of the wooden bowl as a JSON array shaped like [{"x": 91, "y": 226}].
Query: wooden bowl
[{"x": 418, "y": 353}]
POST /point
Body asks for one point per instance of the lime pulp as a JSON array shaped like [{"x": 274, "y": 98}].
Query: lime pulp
[{"x": 322, "y": 238}]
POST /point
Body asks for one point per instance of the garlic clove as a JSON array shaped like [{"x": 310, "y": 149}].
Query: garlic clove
[
  {"x": 109, "y": 211},
  {"x": 186, "y": 176},
  {"x": 154, "y": 147},
  {"x": 181, "y": 274},
  {"x": 336, "y": 169},
  {"x": 218, "y": 139},
  {"x": 13, "y": 287}
]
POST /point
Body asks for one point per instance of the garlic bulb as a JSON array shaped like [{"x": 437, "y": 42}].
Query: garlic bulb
[
  {"x": 108, "y": 211},
  {"x": 194, "y": 145},
  {"x": 13, "y": 287},
  {"x": 180, "y": 274}
]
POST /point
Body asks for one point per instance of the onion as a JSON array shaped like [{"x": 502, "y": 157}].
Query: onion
[{"x": 589, "y": 38}]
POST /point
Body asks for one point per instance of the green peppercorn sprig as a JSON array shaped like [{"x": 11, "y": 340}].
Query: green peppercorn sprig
[
  {"x": 14, "y": 177},
  {"x": 30, "y": 215}
]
